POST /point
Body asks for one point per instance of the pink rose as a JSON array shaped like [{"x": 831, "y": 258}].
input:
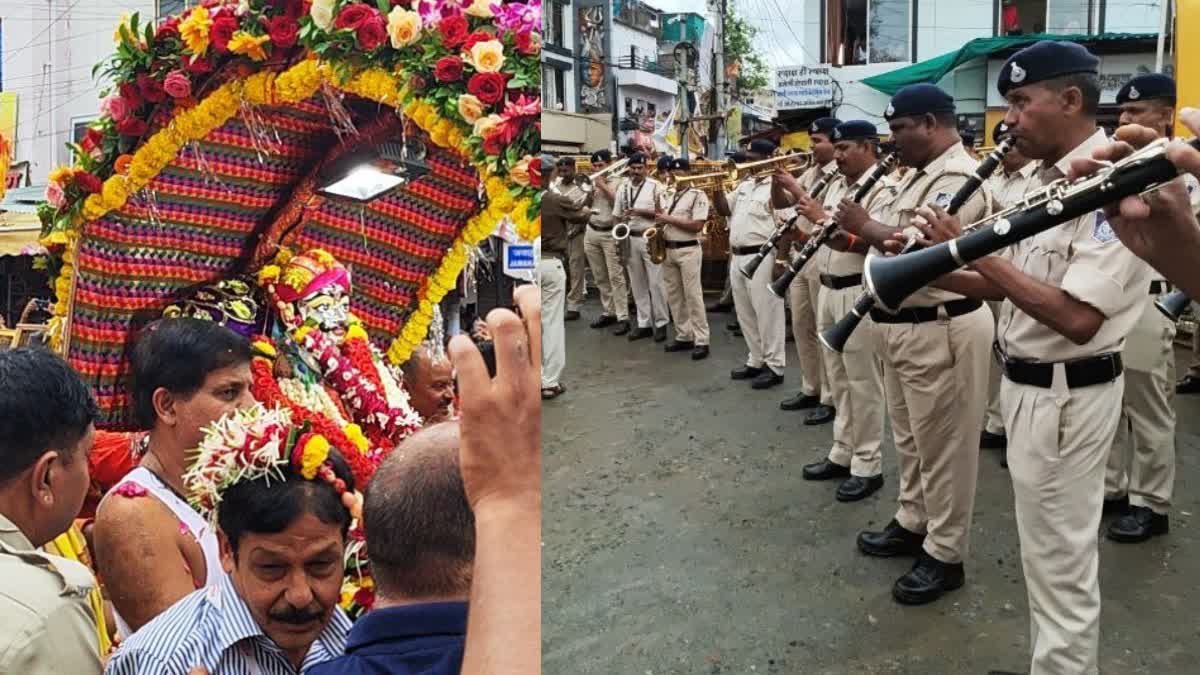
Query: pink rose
[
  {"x": 177, "y": 84},
  {"x": 55, "y": 195},
  {"x": 115, "y": 107}
]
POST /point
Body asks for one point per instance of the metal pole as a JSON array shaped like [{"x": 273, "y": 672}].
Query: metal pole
[
  {"x": 682, "y": 75},
  {"x": 718, "y": 98},
  {"x": 1164, "y": 5}
]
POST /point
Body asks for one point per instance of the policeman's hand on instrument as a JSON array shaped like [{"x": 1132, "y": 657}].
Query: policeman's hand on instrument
[
  {"x": 851, "y": 216},
  {"x": 644, "y": 213},
  {"x": 935, "y": 225},
  {"x": 785, "y": 179},
  {"x": 810, "y": 208}
]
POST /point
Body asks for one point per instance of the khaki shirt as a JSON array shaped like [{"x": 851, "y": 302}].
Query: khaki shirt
[
  {"x": 603, "y": 216},
  {"x": 693, "y": 205},
  {"x": 46, "y": 622},
  {"x": 1009, "y": 188},
  {"x": 629, "y": 196},
  {"x": 845, "y": 263},
  {"x": 808, "y": 180},
  {"x": 1083, "y": 257},
  {"x": 754, "y": 219}
]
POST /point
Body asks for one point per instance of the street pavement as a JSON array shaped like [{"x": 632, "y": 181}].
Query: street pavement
[{"x": 680, "y": 538}]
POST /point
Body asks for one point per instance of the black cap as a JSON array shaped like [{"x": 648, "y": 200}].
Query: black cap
[
  {"x": 664, "y": 162},
  {"x": 738, "y": 157},
  {"x": 999, "y": 132},
  {"x": 762, "y": 146},
  {"x": 824, "y": 125},
  {"x": 637, "y": 158},
  {"x": 967, "y": 135},
  {"x": 566, "y": 161},
  {"x": 681, "y": 165},
  {"x": 887, "y": 147},
  {"x": 547, "y": 165},
  {"x": 855, "y": 130},
  {"x": 918, "y": 99},
  {"x": 1142, "y": 87},
  {"x": 1043, "y": 61},
  {"x": 602, "y": 156}
]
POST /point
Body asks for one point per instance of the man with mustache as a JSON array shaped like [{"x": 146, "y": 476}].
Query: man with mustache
[{"x": 429, "y": 380}]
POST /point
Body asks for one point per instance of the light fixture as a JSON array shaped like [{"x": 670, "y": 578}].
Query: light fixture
[{"x": 364, "y": 183}]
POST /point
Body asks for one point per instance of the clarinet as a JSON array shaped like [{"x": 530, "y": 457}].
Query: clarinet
[
  {"x": 1173, "y": 304},
  {"x": 891, "y": 280},
  {"x": 823, "y": 234},
  {"x": 751, "y": 265},
  {"x": 836, "y": 336}
]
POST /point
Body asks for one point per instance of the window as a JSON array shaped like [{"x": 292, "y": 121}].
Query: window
[
  {"x": 171, "y": 7},
  {"x": 1068, "y": 17},
  {"x": 628, "y": 106},
  {"x": 868, "y": 31},
  {"x": 553, "y": 87},
  {"x": 1018, "y": 17},
  {"x": 651, "y": 110},
  {"x": 79, "y": 127},
  {"x": 553, "y": 24}
]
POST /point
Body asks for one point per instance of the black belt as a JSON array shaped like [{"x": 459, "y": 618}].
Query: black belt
[
  {"x": 681, "y": 244},
  {"x": 1081, "y": 373},
  {"x": 601, "y": 229},
  {"x": 1160, "y": 287},
  {"x": 745, "y": 250},
  {"x": 926, "y": 314},
  {"x": 835, "y": 283}
]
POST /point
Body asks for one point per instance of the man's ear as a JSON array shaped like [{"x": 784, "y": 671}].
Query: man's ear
[
  {"x": 228, "y": 555},
  {"x": 42, "y": 475},
  {"x": 164, "y": 405}
]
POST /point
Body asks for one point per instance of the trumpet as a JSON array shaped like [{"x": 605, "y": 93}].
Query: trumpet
[
  {"x": 891, "y": 280},
  {"x": 614, "y": 170},
  {"x": 752, "y": 264},
  {"x": 1173, "y": 304},
  {"x": 700, "y": 181},
  {"x": 836, "y": 336},
  {"x": 793, "y": 163}
]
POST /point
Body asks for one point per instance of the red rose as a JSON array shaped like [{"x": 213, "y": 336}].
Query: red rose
[
  {"x": 372, "y": 33},
  {"x": 198, "y": 65},
  {"x": 151, "y": 89},
  {"x": 535, "y": 173},
  {"x": 92, "y": 140},
  {"x": 353, "y": 16},
  {"x": 222, "y": 30},
  {"x": 475, "y": 38},
  {"x": 525, "y": 43},
  {"x": 87, "y": 182},
  {"x": 492, "y": 145},
  {"x": 487, "y": 87},
  {"x": 131, "y": 126},
  {"x": 448, "y": 69},
  {"x": 283, "y": 30},
  {"x": 131, "y": 95},
  {"x": 454, "y": 30},
  {"x": 168, "y": 28},
  {"x": 177, "y": 84}
]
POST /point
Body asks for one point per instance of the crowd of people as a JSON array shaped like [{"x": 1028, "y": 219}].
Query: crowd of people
[{"x": 1050, "y": 351}]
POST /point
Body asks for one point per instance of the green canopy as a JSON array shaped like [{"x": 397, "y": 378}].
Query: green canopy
[{"x": 935, "y": 69}]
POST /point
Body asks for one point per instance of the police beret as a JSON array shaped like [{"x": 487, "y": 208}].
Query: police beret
[
  {"x": 1043, "y": 61},
  {"x": 637, "y": 158},
  {"x": 547, "y": 165},
  {"x": 967, "y": 136},
  {"x": 602, "y": 156},
  {"x": 855, "y": 130},
  {"x": 823, "y": 125},
  {"x": 566, "y": 161},
  {"x": 738, "y": 157},
  {"x": 663, "y": 162},
  {"x": 918, "y": 99},
  {"x": 999, "y": 132},
  {"x": 762, "y": 146},
  {"x": 681, "y": 165},
  {"x": 1142, "y": 87}
]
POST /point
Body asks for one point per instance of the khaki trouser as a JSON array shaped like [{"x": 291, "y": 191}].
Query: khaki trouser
[
  {"x": 1147, "y": 427},
  {"x": 553, "y": 281},
  {"x": 685, "y": 295},
  {"x": 856, "y": 378},
  {"x": 994, "y": 421},
  {"x": 760, "y": 315},
  {"x": 726, "y": 293},
  {"x": 1194, "y": 368},
  {"x": 576, "y": 262},
  {"x": 934, "y": 376},
  {"x": 803, "y": 296},
  {"x": 645, "y": 278},
  {"x": 1058, "y": 440},
  {"x": 601, "y": 251}
]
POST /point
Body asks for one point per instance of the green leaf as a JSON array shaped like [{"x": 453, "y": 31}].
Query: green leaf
[
  {"x": 385, "y": 6},
  {"x": 133, "y": 24}
]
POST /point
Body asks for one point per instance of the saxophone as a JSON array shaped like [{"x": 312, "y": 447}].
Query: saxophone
[{"x": 656, "y": 243}]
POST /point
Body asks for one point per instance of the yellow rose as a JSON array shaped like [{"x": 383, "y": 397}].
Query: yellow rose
[
  {"x": 485, "y": 125},
  {"x": 249, "y": 45},
  {"x": 60, "y": 175},
  {"x": 194, "y": 30},
  {"x": 322, "y": 13},
  {"x": 470, "y": 107},
  {"x": 519, "y": 173},
  {"x": 481, "y": 9},
  {"x": 486, "y": 56},
  {"x": 404, "y": 27}
]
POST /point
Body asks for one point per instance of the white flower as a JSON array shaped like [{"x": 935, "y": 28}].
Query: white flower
[{"x": 322, "y": 13}]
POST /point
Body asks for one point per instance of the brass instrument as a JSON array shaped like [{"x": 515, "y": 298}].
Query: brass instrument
[
  {"x": 656, "y": 244},
  {"x": 614, "y": 170},
  {"x": 1173, "y": 304},
  {"x": 793, "y": 163},
  {"x": 620, "y": 231},
  {"x": 700, "y": 181}
]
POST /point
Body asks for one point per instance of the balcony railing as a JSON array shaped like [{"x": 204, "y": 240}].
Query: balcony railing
[{"x": 643, "y": 63}]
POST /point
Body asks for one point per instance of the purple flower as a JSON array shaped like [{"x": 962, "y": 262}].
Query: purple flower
[
  {"x": 518, "y": 16},
  {"x": 433, "y": 11}
]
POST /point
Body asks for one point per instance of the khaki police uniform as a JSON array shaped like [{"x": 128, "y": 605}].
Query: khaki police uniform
[
  {"x": 1007, "y": 189},
  {"x": 605, "y": 261},
  {"x": 1141, "y": 463},
  {"x": 576, "y": 254},
  {"x": 935, "y": 354},
  {"x": 681, "y": 269},
  {"x": 803, "y": 298},
  {"x": 856, "y": 375},
  {"x": 46, "y": 622},
  {"x": 645, "y": 278},
  {"x": 760, "y": 313},
  {"x": 1058, "y": 435}
]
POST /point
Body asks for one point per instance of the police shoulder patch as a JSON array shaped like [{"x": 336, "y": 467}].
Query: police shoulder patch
[
  {"x": 943, "y": 199},
  {"x": 1102, "y": 231}
]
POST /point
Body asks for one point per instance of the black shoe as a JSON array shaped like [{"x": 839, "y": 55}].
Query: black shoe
[
  {"x": 640, "y": 333},
  {"x": 571, "y": 315},
  {"x": 1190, "y": 384},
  {"x": 700, "y": 352},
  {"x": 720, "y": 307},
  {"x": 745, "y": 373},
  {"x": 993, "y": 441},
  {"x": 824, "y": 414},
  {"x": 928, "y": 579},
  {"x": 622, "y": 328},
  {"x": 800, "y": 401},
  {"x": 1138, "y": 525},
  {"x": 766, "y": 379},
  {"x": 855, "y": 488},
  {"x": 736, "y": 332},
  {"x": 660, "y": 334},
  {"x": 1004, "y": 459},
  {"x": 604, "y": 320},
  {"x": 1119, "y": 505},
  {"x": 824, "y": 470},
  {"x": 679, "y": 346},
  {"x": 894, "y": 540}
]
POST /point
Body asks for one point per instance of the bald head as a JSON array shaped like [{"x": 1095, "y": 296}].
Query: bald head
[
  {"x": 420, "y": 529},
  {"x": 429, "y": 381}
]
